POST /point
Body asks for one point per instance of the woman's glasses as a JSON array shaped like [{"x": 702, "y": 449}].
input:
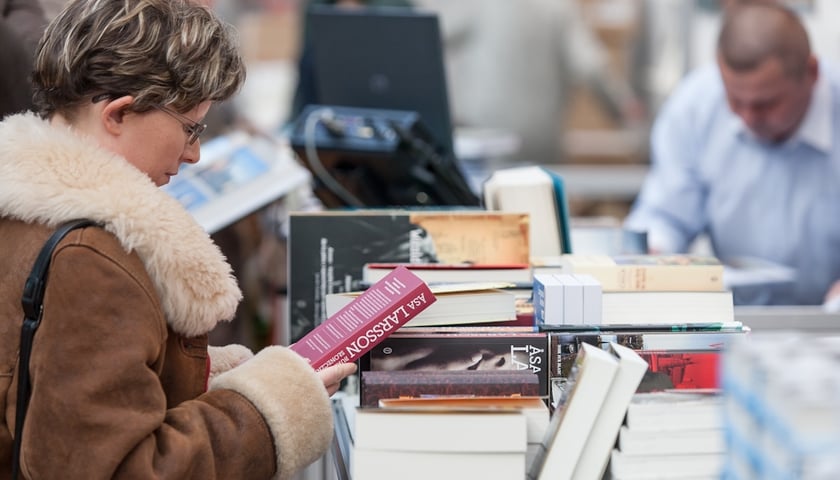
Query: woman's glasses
[{"x": 193, "y": 129}]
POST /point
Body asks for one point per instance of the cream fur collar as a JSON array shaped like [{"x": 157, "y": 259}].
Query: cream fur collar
[{"x": 50, "y": 174}]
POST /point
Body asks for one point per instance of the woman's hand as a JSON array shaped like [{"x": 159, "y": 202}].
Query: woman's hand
[{"x": 333, "y": 375}]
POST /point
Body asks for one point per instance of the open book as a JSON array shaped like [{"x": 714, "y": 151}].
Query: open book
[{"x": 238, "y": 174}]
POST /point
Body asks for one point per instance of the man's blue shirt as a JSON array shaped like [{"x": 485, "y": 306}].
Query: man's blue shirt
[{"x": 778, "y": 202}]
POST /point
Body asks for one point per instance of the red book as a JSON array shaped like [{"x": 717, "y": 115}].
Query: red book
[{"x": 366, "y": 321}]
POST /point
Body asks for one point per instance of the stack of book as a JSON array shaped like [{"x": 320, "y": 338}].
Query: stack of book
[
  {"x": 679, "y": 356},
  {"x": 567, "y": 299},
  {"x": 782, "y": 392},
  {"x": 583, "y": 430},
  {"x": 416, "y": 442},
  {"x": 457, "y": 304},
  {"x": 535, "y": 410},
  {"x": 669, "y": 434},
  {"x": 644, "y": 289}
]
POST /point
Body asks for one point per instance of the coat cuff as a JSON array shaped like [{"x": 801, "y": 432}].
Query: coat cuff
[
  {"x": 227, "y": 357},
  {"x": 291, "y": 397}
]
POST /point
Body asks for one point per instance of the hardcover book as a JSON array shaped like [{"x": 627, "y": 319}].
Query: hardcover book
[
  {"x": 676, "y": 410},
  {"x": 535, "y": 409},
  {"x": 540, "y": 192},
  {"x": 371, "y": 464},
  {"x": 516, "y": 273},
  {"x": 366, "y": 321},
  {"x": 327, "y": 251},
  {"x": 379, "y": 385},
  {"x": 633, "y": 273},
  {"x": 651, "y": 307},
  {"x": 453, "y": 429},
  {"x": 512, "y": 350},
  {"x": 693, "y": 466},
  {"x": 671, "y": 442},
  {"x": 427, "y": 443}
]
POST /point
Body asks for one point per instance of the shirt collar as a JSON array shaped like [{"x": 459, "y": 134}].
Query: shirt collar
[{"x": 815, "y": 129}]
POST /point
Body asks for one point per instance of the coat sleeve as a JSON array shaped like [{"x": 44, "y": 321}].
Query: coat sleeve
[{"x": 98, "y": 408}]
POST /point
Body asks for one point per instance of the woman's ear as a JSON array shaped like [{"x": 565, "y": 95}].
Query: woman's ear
[{"x": 113, "y": 112}]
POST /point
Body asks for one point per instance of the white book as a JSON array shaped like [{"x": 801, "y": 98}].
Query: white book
[
  {"x": 650, "y": 307},
  {"x": 592, "y": 298},
  {"x": 687, "y": 467},
  {"x": 569, "y": 429},
  {"x": 548, "y": 299},
  {"x": 675, "y": 410},
  {"x": 596, "y": 452},
  {"x": 572, "y": 299},
  {"x": 405, "y": 465},
  {"x": 666, "y": 442},
  {"x": 535, "y": 409},
  {"x": 539, "y": 193},
  {"x": 456, "y": 304},
  {"x": 441, "y": 430}
]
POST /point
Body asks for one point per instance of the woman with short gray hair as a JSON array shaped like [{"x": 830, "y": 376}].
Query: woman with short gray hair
[{"x": 123, "y": 383}]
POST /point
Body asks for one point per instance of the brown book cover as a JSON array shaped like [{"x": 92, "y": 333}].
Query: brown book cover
[{"x": 378, "y": 385}]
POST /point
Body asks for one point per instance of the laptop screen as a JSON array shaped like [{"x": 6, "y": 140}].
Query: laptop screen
[{"x": 388, "y": 58}]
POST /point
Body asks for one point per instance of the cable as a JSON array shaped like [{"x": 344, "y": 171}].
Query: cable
[
  {"x": 327, "y": 118},
  {"x": 456, "y": 189}
]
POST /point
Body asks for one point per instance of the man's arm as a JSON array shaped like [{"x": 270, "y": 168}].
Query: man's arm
[{"x": 670, "y": 206}]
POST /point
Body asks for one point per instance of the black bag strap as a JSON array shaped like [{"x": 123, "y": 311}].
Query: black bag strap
[{"x": 33, "y": 296}]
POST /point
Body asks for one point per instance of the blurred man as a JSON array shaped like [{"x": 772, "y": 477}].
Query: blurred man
[{"x": 745, "y": 152}]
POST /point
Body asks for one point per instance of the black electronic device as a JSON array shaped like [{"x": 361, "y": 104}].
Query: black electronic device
[
  {"x": 381, "y": 57},
  {"x": 363, "y": 157}
]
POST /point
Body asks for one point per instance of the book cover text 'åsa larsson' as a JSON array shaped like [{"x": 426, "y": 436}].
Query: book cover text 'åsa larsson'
[{"x": 367, "y": 320}]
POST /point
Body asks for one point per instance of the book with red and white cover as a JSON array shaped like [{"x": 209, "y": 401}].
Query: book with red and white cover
[{"x": 366, "y": 321}]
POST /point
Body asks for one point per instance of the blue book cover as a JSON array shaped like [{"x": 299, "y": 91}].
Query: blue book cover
[{"x": 562, "y": 207}]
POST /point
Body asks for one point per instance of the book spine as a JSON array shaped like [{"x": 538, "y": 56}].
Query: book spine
[
  {"x": 366, "y": 321},
  {"x": 548, "y": 300}
]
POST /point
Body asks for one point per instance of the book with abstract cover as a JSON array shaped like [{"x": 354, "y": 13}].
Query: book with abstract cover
[
  {"x": 327, "y": 251},
  {"x": 470, "y": 351}
]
